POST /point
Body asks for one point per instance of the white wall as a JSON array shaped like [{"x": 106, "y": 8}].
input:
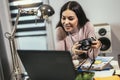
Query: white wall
[
  {"x": 5, "y": 23},
  {"x": 5, "y": 53},
  {"x": 98, "y": 11}
]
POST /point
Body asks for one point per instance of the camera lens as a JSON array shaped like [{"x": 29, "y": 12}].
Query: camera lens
[{"x": 85, "y": 44}]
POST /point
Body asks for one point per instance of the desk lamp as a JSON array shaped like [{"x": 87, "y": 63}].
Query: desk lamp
[{"x": 44, "y": 11}]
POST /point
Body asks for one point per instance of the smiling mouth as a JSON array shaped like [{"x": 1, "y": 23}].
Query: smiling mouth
[{"x": 67, "y": 26}]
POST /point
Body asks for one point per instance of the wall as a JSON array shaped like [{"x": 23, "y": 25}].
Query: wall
[{"x": 98, "y": 11}]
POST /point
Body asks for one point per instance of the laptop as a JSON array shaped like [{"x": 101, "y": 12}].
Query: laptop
[{"x": 47, "y": 64}]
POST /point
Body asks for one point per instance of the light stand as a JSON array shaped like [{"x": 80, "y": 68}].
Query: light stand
[{"x": 46, "y": 11}]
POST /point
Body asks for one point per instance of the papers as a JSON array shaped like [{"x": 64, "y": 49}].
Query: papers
[
  {"x": 99, "y": 64},
  {"x": 104, "y": 73},
  {"x": 115, "y": 64},
  {"x": 117, "y": 72}
]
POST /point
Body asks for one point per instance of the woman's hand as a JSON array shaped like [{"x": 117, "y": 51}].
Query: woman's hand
[
  {"x": 96, "y": 44},
  {"x": 75, "y": 49}
]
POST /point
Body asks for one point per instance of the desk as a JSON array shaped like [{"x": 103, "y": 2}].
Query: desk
[{"x": 114, "y": 77}]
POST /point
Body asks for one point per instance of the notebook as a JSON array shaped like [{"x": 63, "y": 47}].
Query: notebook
[
  {"x": 47, "y": 65},
  {"x": 101, "y": 63}
]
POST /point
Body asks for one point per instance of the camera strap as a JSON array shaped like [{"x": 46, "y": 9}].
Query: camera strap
[{"x": 92, "y": 60}]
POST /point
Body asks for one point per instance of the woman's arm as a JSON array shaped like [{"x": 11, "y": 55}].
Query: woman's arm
[
  {"x": 88, "y": 32},
  {"x": 60, "y": 36}
]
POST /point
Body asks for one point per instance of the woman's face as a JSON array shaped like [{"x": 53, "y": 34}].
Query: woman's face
[{"x": 69, "y": 21}]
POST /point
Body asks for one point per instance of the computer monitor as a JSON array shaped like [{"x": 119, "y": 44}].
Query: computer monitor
[{"x": 48, "y": 64}]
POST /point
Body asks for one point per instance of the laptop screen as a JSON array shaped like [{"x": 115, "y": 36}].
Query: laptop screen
[{"x": 47, "y": 64}]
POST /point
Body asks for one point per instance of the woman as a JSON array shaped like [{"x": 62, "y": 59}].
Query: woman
[{"x": 73, "y": 27}]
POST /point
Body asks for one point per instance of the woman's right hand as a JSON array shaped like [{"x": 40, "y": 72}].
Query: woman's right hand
[{"x": 77, "y": 51}]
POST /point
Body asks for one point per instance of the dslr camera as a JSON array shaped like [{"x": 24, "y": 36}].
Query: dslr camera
[{"x": 85, "y": 45}]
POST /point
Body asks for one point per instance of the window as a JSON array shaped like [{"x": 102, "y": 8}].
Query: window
[{"x": 29, "y": 34}]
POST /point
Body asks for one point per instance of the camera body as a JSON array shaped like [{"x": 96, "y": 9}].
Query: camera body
[{"x": 85, "y": 45}]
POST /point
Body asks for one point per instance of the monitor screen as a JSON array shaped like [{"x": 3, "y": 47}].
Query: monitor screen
[{"x": 48, "y": 65}]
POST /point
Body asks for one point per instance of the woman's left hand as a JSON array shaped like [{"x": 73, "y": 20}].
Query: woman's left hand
[{"x": 96, "y": 44}]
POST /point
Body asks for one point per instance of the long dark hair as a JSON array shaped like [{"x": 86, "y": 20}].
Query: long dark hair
[{"x": 76, "y": 7}]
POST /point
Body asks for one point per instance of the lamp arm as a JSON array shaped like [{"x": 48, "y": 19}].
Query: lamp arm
[
  {"x": 16, "y": 23},
  {"x": 15, "y": 59}
]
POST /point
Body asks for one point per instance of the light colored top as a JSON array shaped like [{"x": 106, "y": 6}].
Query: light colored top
[{"x": 85, "y": 32}]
